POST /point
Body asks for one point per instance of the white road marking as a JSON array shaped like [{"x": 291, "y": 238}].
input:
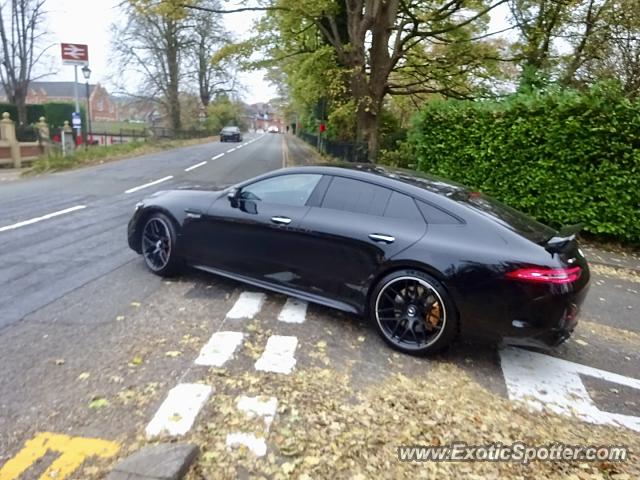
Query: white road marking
[
  {"x": 262, "y": 406},
  {"x": 231, "y": 150},
  {"x": 247, "y": 305},
  {"x": 294, "y": 311},
  {"x": 150, "y": 184},
  {"x": 43, "y": 217},
  {"x": 193, "y": 167},
  {"x": 278, "y": 355},
  {"x": 256, "y": 445},
  {"x": 179, "y": 410},
  {"x": 217, "y": 156},
  {"x": 544, "y": 381},
  {"x": 219, "y": 349}
]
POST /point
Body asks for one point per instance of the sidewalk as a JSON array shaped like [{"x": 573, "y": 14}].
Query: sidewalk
[
  {"x": 301, "y": 153},
  {"x": 11, "y": 174}
]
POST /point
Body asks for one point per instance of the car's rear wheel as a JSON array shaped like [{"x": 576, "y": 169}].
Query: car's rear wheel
[
  {"x": 159, "y": 245},
  {"x": 413, "y": 312}
]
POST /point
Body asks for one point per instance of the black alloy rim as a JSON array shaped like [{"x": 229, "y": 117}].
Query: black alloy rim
[
  {"x": 156, "y": 243},
  {"x": 410, "y": 313}
]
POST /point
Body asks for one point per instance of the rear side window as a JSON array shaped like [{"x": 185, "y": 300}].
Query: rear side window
[
  {"x": 436, "y": 216},
  {"x": 402, "y": 206},
  {"x": 356, "y": 196}
]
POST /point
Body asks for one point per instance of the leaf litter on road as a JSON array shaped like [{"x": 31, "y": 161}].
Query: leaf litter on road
[{"x": 324, "y": 429}]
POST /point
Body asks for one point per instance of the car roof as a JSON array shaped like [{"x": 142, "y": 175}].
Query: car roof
[{"x": 398, "y": 178}]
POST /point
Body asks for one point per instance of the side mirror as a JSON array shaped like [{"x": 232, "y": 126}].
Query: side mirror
[{"x": 233, "y": 195}]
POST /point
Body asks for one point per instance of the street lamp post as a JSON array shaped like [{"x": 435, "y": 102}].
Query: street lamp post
[{"x": 86, "y": 71}]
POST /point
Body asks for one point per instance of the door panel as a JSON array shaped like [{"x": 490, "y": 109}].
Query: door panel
[{"x": 344, "y": 257}]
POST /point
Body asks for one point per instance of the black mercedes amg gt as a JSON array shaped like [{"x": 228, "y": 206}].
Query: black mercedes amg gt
[{"x": 424, "y": 258}]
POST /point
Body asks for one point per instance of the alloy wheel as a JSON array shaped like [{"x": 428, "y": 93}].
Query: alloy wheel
[
  {"x": 156, "y": 244},
  {"x": 410, "y": 313}
]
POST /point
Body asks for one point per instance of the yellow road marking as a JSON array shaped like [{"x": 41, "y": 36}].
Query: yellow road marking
[{"x": 73, "y": 451}]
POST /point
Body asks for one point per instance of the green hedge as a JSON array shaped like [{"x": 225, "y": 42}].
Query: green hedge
[
  {"x": 563, "y": 157},
  {"x": 34, "y": 112}
]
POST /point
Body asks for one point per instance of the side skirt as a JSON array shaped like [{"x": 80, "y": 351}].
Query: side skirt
[{"x": 309, "y": 297}]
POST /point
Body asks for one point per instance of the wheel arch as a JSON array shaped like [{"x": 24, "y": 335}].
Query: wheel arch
[
  {"x": 420, "y": 267},
  {"x": 146, "y": 214}
]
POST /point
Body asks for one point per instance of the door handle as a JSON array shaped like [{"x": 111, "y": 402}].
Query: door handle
[
  {"x": 281, "y": 220},
  {"x": 382, "y": 238}
]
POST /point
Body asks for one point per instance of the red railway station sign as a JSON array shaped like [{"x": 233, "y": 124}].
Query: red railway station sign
[{"x": 74, "y": 54}]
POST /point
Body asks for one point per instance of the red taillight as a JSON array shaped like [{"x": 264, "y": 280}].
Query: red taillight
[{"x": 546, "y": 275}]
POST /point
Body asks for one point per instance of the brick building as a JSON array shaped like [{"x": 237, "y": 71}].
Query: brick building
[{"x": 103, "y": 108}]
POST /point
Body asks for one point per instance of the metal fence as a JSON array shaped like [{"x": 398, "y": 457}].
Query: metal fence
[{"x": 346, "y": 151}]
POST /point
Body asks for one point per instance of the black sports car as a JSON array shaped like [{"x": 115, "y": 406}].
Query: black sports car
[{"x": 422, "y": 257}]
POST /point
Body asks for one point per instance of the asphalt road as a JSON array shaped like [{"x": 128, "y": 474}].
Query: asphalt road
[{"x": 81, "y": 320}]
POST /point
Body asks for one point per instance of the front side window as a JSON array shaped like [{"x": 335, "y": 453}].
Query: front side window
[{"x": 292, "y": 190}]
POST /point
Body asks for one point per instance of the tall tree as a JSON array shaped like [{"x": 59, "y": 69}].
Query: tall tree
[
  {"x": 21, "y": 36},
  {"x": 152, "y": 44}
]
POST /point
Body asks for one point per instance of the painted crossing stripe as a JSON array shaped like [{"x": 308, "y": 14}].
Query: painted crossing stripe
[
  {"x": 542, "y": 381},
  {"x": 150, "y": 184},
  {"x": 252, "y": 407},
  {"x": 294, "y": 311},
  {"x": 247, "y": 305},
  {"x": 278, "y": 355},
  {"x": 43, "y": 217},
  {"x": 179, "y": 410},
  {"x": 219, "y": 349},
  {"x": 255, "y": 444}
]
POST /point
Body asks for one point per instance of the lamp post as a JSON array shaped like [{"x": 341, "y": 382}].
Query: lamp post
[{"x": 86, "y": 71}]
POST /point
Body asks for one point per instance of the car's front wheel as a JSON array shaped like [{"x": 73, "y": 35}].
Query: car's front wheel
[
  {"x": 159, "y": 245},
  {"x": 413, "y": 312}
]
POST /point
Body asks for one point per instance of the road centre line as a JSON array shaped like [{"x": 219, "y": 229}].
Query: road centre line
[
  {"x": 193, "y": 167},
  {"x": 43, "y": 217},
  {"x": 231, "y": 150},
  {"x": 217, "y": 156},
  {"x": 150, "y": 184}
]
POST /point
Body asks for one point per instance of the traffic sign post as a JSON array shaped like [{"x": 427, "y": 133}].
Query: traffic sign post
[{"x": 75, "y": 54}]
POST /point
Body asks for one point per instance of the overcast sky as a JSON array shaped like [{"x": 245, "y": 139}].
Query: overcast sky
[{"x": 89, "y": 22}]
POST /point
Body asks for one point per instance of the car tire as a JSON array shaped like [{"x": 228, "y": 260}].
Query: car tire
[
  {"x": 159, "y": 245},
  {"x": 413, "y": 312}
]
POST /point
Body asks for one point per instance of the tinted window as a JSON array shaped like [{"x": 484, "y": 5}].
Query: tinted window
[
  {"x": 356, "y": 196},
  {"x": 286, "y": 189},
  {"x": 436, "y": 216},
  {"x": 402, "y": 206},
  {"x": 506, "y": 216}
]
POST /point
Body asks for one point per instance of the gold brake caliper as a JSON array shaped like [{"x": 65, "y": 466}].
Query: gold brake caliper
[{"x": 433, "y": 316}]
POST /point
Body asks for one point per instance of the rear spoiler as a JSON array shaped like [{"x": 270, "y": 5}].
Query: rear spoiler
[{"x": 562, "y": 238}]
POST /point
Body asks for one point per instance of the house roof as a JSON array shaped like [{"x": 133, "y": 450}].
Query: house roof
[{"x": 56, "y": 89}]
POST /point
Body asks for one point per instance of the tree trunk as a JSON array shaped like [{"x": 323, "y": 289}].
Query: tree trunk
[
  {"x": 21, "y": 105},
  {"x": 173, "y": 67}
]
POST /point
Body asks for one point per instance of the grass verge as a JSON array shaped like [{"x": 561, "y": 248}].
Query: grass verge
[{"x": 96, "y": 155}]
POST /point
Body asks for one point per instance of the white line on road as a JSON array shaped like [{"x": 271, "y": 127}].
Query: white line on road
[
  {"x": 294, "y": 311},
  {"x": 278, "y": 355},
  {"x": 231, "y": 150},
  {"x": 247, "y": 305},
  {"x": 219, "y": 349},
  {"x": 542, "y": 381},
  {"x": 256, "y": 445},
  {"x": 150, "y": 184},
  {"x": 44, "y": 217},
  {"x": 179, "y": 410},
  {"x": 264, "y": 407},
  {"x": 217, "y": 156},
  {"x": 193, "y": 167}
]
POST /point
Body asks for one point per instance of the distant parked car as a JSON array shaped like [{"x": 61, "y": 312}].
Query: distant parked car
[
  {"x": 273, "y": 129},
  {"x": 231, "y": 134}
]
